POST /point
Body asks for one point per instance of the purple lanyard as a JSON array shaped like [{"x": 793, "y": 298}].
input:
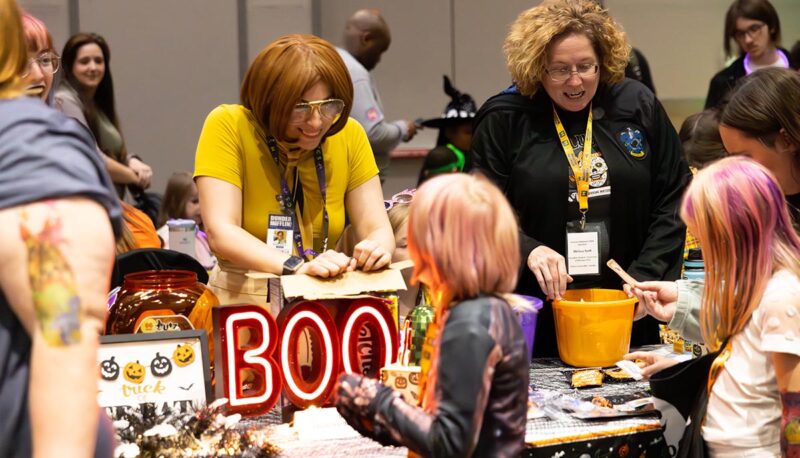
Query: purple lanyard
[{"x": 287, "y": 199}]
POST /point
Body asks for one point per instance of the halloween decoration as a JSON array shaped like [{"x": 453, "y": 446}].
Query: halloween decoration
[
  {"x": 134, "y": 372},
  {"x": 168, "y": 432},
  {"x": 160, "y": 366},
  {"x": 183, "y": 355},
  {"x": 109, "y": 369}
]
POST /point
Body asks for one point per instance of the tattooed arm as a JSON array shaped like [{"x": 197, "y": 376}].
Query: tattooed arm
[
  {"x": 787, "y": 370},
  {"x": 57, "y": 258}
]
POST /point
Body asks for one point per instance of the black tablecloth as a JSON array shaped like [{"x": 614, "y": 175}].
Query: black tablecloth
[{"x": 565, "y": 437}]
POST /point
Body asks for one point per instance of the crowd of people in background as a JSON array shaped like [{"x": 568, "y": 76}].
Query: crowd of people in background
[{"x": 289, "y": 181}]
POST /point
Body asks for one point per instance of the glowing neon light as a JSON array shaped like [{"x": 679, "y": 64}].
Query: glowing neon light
[
  {"x": 291, "y": 384},
  {"x": 367, "y": 310},
  {"x": 255, "y": 358},
  {"x": 252, "y": 356}
]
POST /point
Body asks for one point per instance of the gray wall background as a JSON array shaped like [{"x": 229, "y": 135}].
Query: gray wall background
[{"x": 175, "y": 60}]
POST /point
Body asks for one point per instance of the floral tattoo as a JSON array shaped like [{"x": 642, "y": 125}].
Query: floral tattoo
[{"x": 55, "y": 295}]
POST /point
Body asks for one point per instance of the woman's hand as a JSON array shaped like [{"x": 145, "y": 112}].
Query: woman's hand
[
  {"x": 658, "y": 298},
  {"x": 143, "y": 172},
  {"x": 328, "y": 264},
  {"x": 370, "y": 255},
  {"x": 653, "y": 363},
  {"x": 550, "y": 270}
]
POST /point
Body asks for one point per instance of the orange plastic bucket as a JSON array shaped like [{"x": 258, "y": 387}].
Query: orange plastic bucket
[{"x": 593, "y": 326}]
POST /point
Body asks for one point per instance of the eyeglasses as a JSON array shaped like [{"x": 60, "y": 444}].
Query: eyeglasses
[
  {"x": 328, "y": 109},
  {"x": 750, "y": 31},
  {"x": 48, "y": 62},
  {"x": 561, "y": 74},
  {"x": 401, "y": 198}
]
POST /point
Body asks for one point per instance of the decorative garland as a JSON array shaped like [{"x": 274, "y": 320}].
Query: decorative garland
[{"x": 150, "y": 431}]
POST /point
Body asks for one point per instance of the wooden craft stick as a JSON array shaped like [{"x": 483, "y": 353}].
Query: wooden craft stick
[{"x": 612, "y": 264}]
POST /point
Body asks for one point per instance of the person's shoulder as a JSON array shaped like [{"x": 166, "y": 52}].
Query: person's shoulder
[
  {"x": 510, "y": 103},
  {"x": 232, "y": 111},
  {"x": 353, "y": 127},
  {"x": 731, "y": 72},
  {"x": 30, "y": 120},
  {"x": 783, "y": 287},
  {"x": 65, "y": 92}
]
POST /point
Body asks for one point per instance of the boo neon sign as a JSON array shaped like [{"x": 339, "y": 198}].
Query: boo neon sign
[{"x": 257, "y": 356}]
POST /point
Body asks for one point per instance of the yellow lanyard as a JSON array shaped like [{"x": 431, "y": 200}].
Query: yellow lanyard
[{"x": 580, "y": 170}]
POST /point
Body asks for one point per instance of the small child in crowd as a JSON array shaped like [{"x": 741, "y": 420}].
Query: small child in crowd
[{"x": 181, "y": 201}]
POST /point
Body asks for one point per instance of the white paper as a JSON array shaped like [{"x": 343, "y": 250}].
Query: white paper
[{"x": 583, "y": 253}]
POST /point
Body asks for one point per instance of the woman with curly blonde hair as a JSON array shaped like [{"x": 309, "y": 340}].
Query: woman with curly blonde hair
[{"x": 569, "y": 114}]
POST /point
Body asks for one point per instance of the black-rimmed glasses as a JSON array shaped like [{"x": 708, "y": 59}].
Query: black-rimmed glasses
[{"x": 749, "y": 32}]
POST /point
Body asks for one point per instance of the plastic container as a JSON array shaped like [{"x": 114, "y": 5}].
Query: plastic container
[
  {"x": 527, "y": 320},
  {"x": 595, "y": 332}
]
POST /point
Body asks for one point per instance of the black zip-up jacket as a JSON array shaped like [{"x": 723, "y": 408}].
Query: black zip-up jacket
[
  {"x": 515, "y": 144},
  {"x": 725, "y": 80}
]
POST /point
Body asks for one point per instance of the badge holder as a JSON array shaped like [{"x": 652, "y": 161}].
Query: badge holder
[{"x": 587, "y": 246}]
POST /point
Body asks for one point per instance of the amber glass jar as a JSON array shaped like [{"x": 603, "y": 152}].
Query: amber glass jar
[{"x": 161, "y": 292}]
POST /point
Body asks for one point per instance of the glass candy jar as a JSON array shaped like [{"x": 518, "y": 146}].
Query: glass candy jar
[{"x": 161, "y": 293}]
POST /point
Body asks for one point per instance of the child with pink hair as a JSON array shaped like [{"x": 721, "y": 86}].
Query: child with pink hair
[
  {"x": 751, "y": 300},
  {"x": 462, "y": 237}
]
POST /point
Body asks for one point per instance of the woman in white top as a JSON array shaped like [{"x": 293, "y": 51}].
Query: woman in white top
[{"x": 737, "y": 210}]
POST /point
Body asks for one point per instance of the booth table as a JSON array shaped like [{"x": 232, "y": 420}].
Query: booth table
[{"x": 545, "y": 437}]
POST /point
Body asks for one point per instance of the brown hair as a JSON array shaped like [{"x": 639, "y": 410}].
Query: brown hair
[
  {"x": 759, "y": 10},
  {"x": 528, "y": 42},
  {"x": 765, "y": 102},
  {"x": 283, "y": 71},
  {"x": 700, "y": 138},
  {"x": 13, "y": 52},
  {"x": 176, "y": 194},
  {"x": 104, "y": 96}
]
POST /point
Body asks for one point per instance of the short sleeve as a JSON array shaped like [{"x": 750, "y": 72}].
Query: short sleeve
[
  {"x": 779, "y": 315},
  {"x": 45, "y": 155},
  {"x": 219, "y": 152},
  {"x": 359, "y": 155}
]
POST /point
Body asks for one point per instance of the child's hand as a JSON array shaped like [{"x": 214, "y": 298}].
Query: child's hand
[{"x": 653, "y": 363}]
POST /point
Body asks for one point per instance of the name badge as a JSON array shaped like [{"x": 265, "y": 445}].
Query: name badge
[
  {"x": 583, "y": 253},
  {"x": 280, "y": 233}
]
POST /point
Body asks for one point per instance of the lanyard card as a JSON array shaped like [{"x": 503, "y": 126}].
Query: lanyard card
[
  {"x": 583, "y": 251},
  {"x": 280, "y": 233}
]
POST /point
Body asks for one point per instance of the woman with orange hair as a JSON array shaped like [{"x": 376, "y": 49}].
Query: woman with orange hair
[
  {"x": 589, "y": 160},
  {"x": 462, "y": 237},
  {"x": 288, "y": 158}
]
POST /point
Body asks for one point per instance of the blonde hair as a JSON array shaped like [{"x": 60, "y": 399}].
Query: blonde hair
[
  {"x": 737, "y": 210},
  {"x": 13, "y": 50},
  {"x": 462, "y": 230},
  {"x": 527, "y": 45}
]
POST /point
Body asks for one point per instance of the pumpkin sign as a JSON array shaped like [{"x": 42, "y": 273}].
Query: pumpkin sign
[
  {"x": 160, "y": 366},
  {"x": 134, "y": 372},
  {"x": 109, "y": 369},
  {"x": 183, "y": 355}
]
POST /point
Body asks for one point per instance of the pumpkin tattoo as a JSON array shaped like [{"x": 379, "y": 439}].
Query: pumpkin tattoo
[
  {"x": 109, "y": 369},
  {"x": 160, "y": 366},
  {"x": 183, "y": 355},
  {"x": 134, "y": 372}
]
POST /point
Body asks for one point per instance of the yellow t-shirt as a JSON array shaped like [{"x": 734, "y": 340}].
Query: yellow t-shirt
[{"x": 232, "y": 148}]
